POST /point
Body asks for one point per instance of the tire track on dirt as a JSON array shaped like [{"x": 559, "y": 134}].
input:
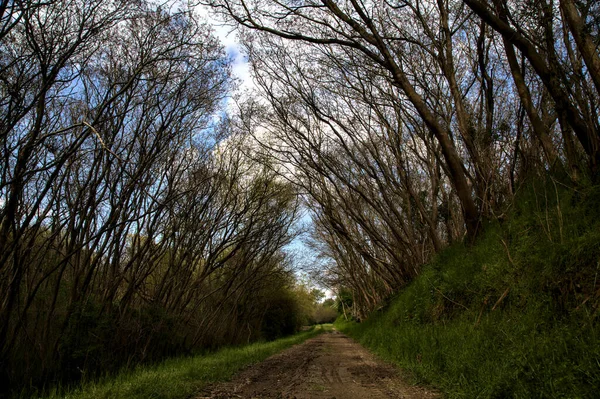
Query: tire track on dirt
[{"x": 330, "y": 366}]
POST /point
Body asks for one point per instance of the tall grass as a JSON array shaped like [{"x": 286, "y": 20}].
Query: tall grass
[
  {"x": 181, "y": 377},
  {"x": 514, "y": 316}
]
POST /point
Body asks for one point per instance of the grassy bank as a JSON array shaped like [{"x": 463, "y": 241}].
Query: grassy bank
[
  {"x": 514, "y": 316},
  {"x": 183, "y": 377}
]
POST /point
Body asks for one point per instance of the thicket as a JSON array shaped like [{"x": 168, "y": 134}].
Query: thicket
[
  {"x": 325, "y": 312},
  {"x": 447, "y": 151},
  {"x": 181, "y": 377},
  {"x": 131, "y": 225},
  {"x": 408, "y": 126},
  {"x": 514, "y": 315}
]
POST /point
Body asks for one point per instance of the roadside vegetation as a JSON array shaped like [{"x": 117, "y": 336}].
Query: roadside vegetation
[
  {"x": 182, "y": 377},
  {"x": 513, "y": 316}
]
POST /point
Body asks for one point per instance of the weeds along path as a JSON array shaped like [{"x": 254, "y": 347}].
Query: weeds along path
[{"x": 328, "y": 366}]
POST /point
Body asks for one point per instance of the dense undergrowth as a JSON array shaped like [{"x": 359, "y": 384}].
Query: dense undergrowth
[
  {"x": 515, "y": 315},
  {"x": 181, "y": 377}
]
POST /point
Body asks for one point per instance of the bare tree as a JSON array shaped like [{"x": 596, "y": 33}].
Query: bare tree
[
  {"x": 124, "y": 208},
  {"x": 374, "y": 34},
  {"x": 534, "y": 28}
]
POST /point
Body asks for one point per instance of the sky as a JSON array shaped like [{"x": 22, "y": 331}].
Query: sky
[
  {"x": 241, "y": 71},
  {"x": 228, "y": 38}
]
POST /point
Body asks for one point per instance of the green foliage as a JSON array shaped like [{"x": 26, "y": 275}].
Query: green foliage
[
  {"x": 515, "y": 315},
  {"x": 284, "y": 315},
  {"x": 325, "y": 312},
  {"x": 106, "y": 341},
  {"x": 299, "y": 305},
  {"x": 185, "y": 376},
  {"x": 344, "y": 302}
]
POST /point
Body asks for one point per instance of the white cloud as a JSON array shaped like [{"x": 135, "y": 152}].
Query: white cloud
[
  {"x": 240, "y": 67},
  {"x": 227, "y": 35}
]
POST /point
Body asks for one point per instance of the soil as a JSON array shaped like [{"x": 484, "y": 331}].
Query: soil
[{"x": 330, "y": 366}]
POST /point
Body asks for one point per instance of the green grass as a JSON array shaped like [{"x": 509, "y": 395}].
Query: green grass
[
  {"x": 514, "y": 316},
  {"x": 183, "y": 377}
]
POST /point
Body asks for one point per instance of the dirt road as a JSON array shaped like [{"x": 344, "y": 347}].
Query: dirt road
[{"x": 330, "y": 366}]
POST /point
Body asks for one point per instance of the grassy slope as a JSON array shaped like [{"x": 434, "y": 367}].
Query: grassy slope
[
  {"x": 184, "y": 377},
  {"x": 516, "y": 315}
]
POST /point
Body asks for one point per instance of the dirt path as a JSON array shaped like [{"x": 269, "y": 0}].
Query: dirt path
[{"x": 330, "y": 366}]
